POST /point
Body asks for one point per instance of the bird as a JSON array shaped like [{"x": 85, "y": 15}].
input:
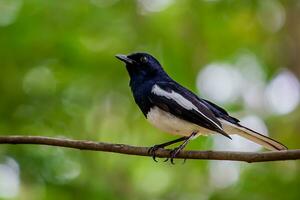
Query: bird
[{"x": 174, "y": 109}]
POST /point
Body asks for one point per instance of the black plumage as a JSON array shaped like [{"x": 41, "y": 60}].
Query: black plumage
[{"x": 170, "y": 106}]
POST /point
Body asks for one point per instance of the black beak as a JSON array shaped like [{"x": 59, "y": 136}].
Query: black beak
[{"x": 125, "y": 59}]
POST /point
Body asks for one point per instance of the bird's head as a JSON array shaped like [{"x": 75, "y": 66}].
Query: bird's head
[{"x": 141, "y": 65}]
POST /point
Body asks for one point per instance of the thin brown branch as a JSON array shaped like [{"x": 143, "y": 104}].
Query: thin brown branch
[{"x": 143, "y": 151}]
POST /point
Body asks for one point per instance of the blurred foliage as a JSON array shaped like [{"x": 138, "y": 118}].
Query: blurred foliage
[{"x": 59, "y": 78}]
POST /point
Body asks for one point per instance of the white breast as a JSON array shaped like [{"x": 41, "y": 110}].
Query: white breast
[{"x": 172, "y": 124}]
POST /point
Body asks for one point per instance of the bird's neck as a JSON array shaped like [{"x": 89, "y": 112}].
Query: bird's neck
[{"x": 142, "y": 80}]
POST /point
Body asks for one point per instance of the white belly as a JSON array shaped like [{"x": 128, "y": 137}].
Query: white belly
[{"x": 171, "y": 124}]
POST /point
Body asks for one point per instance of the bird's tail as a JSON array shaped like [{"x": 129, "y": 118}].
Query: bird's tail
[{"x": 254, "y": 136}]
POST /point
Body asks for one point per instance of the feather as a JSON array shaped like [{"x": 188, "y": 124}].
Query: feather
[
  {"x": 184, "y": 105},
  {"x": 253, "y": 136}
]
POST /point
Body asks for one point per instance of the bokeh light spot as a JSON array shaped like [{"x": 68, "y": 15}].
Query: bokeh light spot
[
  {"x": 271, "y": 15},
  {"x": 39, "y": 81},
  {"x": 254, "y": 80},
  {"x": 61, "y": 168},
  {"x": 224, "y": 173},
  {"x": 148, "y": 6},
  {"x": 9, "y": 178},
  {"x": 9, "y": 10},
  {"x": 283, "y": 93},
  {"x": 220, "y": 82}
]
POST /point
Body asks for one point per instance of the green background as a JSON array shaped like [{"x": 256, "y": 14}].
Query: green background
[{"x": 59, "y": 77}]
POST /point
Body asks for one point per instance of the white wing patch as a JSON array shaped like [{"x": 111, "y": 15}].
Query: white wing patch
[
  {"x": 175, "y": 96},
  {"x": 178, "y": 98}
]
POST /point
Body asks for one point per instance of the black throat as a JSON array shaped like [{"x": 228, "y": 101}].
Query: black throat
[{"x": 141, "y": 86}]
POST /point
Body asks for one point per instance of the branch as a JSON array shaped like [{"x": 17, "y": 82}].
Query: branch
[{"x": 162, "y": 153}]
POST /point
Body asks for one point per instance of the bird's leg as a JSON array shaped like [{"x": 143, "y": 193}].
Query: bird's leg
[
  {"x": 153, "y": 149},
  {"x": 177, "y": 150}
]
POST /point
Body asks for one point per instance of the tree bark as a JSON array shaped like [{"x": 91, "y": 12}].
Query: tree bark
[{"x": 162, "y": 153}]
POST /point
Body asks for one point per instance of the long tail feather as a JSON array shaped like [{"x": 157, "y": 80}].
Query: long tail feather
[{"x": 254, "y": 136}]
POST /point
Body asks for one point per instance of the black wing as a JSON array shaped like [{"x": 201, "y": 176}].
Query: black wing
[
  {"x": 220, "y": 112},
  {"x": 196, "y": 111}
]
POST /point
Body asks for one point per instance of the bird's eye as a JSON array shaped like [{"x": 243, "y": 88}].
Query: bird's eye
[{"x": 144, "y": 59}]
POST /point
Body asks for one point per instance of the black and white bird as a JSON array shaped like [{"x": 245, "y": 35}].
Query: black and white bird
[{"x": 174, "y": 109}]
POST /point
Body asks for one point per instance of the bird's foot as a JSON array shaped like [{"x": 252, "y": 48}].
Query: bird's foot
[
  {"x": 173, "y": 154},
  {"x": 152, "y": 151}
]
